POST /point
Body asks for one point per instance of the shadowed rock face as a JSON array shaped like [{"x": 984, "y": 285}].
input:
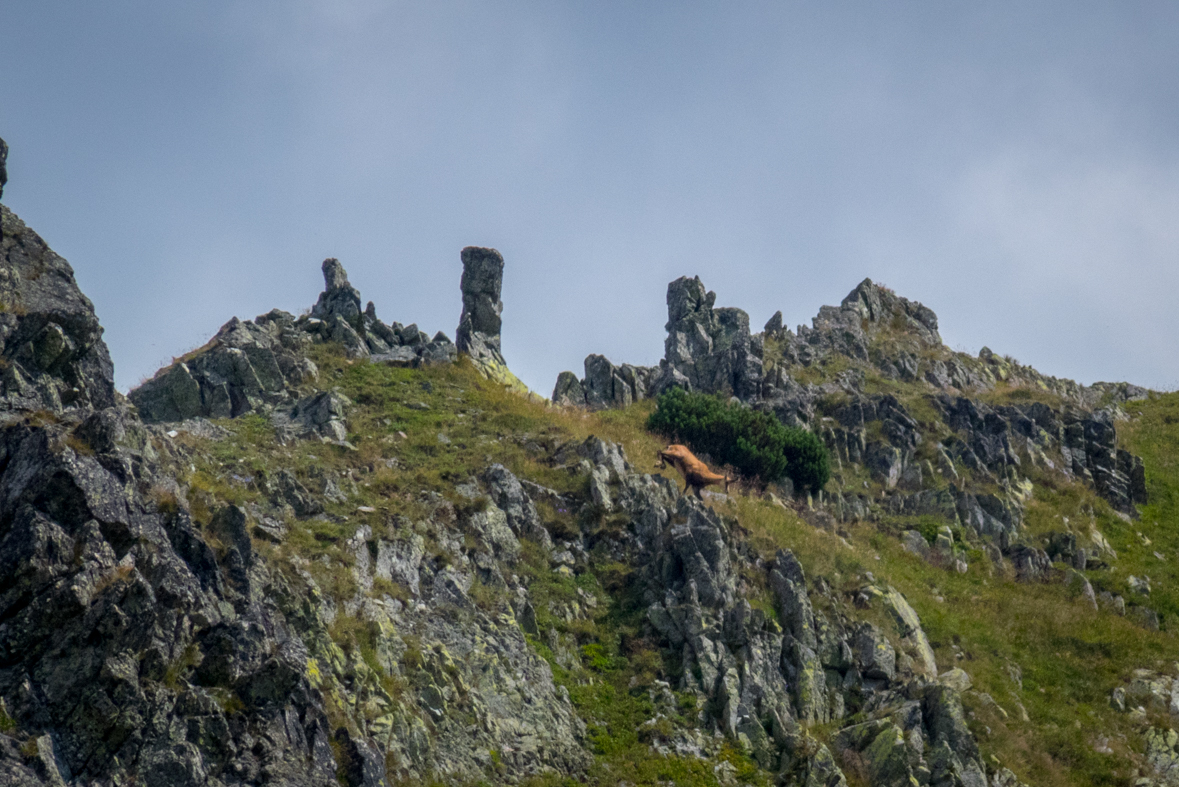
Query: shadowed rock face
[
  {"x": 50, "y": 340},
  {"x": 104, "y": 588},
  {"x": 133, "y": 652},
  {"x": 3, "y": 166}
]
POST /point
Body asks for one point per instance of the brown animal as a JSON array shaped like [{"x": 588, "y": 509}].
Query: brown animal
[{"x": 696, "y": 474}]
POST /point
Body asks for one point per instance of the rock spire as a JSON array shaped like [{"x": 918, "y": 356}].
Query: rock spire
[{"x": 479, "y": 325}]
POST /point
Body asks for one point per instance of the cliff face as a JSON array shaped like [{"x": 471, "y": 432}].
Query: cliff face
[
  {"x": 147, "y": 642},
  {"x": 53, "y": 352},
  {"x": 329, "y": 550}
]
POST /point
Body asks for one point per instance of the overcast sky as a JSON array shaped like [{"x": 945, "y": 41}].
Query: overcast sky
[{"x": 1012, "y": 165}]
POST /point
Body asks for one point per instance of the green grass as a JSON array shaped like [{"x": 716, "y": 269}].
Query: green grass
[
  {"x": 610, "y": 686},
  {"x": 1070, "y": 657}
]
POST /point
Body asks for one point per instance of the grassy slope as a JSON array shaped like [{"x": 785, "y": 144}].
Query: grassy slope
[{"x": 1070, "y": 657}]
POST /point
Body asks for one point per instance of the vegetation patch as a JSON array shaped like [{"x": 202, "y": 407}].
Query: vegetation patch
[{"x": 753, "y": 442}]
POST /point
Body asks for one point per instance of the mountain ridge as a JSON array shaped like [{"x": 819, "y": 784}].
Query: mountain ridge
[{"x": 328, "y": 550}]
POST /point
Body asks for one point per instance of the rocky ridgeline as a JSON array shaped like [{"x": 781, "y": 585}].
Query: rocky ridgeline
[
  {"x": 140, "y": 646},
  {"x": 261, "y": 365},
  {"x": 965, "y": 461},
  {"x": 134, "y": 651}
]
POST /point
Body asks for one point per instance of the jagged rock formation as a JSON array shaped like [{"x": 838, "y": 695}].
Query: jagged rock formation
[
  {"x": 337, "y": 317},
  {"x": 764, "y": 681},
  {"x": 134, "y": 652},
  {"x": 479, "y": 325},
  {"x": 51, "y": 349},
  {"x": 707, "y": 349},
  {"x": 260, "y": 365},
  {"x": 239, "y": 604}
]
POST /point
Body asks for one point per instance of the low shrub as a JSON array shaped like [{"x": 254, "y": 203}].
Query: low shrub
[{"x": 753, "y": 442}]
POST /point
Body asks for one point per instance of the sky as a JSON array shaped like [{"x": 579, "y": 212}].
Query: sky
[{"x": 1014, "y": 166}]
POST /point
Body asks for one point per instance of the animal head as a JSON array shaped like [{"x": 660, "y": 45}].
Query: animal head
[{"x": 676, "y": 454}]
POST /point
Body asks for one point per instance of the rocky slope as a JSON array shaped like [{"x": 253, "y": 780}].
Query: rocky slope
[{"x": 329, "y": 550}]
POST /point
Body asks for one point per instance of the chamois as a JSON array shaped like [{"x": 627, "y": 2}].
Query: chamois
[{"x": 696, "y": 474}]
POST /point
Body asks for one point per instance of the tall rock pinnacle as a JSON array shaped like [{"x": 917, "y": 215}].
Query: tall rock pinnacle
[
  {"x": 478, "y": 330},
  {"x": 479, "y": 325}
]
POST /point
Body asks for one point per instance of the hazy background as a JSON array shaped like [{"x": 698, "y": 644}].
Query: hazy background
[{"x": 1012, "y": 165}]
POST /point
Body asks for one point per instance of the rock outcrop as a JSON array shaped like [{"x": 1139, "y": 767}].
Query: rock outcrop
[
  {"x": 708, "y": 349},
  {"x": 261, "y": 365},
  {"x": 51, "y": 349},
  {"x": 479, "y": 325},
  {"x": 248, "y": 366},
  {"x": 142, "y": 645}
]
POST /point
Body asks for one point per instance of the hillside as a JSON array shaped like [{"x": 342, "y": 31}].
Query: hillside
[{"x": 324, "y": 549}]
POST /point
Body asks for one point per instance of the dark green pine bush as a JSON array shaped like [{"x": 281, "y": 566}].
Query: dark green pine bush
[{"x": 753, "y": 442}]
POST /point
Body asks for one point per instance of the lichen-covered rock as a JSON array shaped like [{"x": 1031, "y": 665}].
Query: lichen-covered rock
[
  {"x": 1162, "y": 755},
  {"x": 874, "y": 653},
  {"x": 946, "y": 721},
  {"x": 520, "y": 511},
  {"x": 888, "y": 759},
  {"x": 322, "y": 414},
  {"x": 913, "y": 636}
]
